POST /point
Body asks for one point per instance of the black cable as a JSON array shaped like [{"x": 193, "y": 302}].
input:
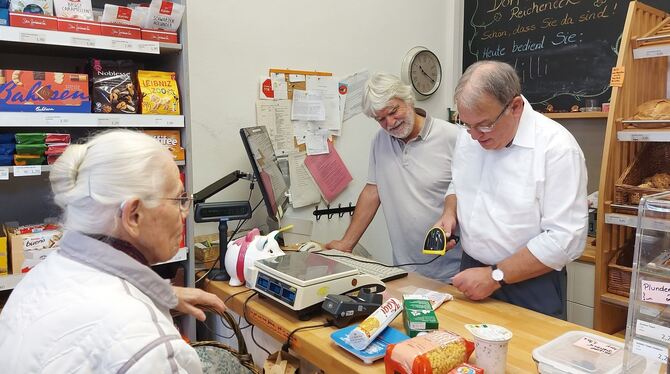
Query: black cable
[
  {"x": 214, "y": 332},
  {"x": 376, "y": 262},
  {"x": 255, "y": 342},
  {"x": 285, "y": 347}
]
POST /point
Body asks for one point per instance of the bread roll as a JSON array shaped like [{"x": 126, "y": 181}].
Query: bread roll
[{"x": 653, "y": 110}]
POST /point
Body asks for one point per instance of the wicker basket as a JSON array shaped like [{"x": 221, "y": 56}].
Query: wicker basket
[
  {"x": 651, "y": 160},
  {"x": 620, "y": 270},
  {"x": 217, "y": 357}
]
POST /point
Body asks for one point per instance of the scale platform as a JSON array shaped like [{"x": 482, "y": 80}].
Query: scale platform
[{"x": 300, "y": 281}]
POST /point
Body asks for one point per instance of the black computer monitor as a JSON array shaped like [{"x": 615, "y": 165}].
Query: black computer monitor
[{"x": 266, "y": 169}]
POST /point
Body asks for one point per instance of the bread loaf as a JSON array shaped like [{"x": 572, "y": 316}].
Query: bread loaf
[{"x": 653, "y": 110}]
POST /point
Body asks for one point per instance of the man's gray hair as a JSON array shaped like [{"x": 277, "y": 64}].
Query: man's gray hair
[
  {"x": 382, "y": 88},
  {"x": 494, "y": 78}
]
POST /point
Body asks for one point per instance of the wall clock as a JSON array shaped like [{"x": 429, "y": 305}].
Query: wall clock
[{"x": 421, "y": 69}]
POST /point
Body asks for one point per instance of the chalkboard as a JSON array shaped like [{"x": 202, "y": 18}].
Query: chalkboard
[{"x": 563, "y": 50}]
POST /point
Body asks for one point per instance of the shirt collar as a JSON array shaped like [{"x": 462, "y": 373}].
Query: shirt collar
[
  {"x": 525, "y": 132},
  {"x": 101, "y": 256},
  {"x": 427, "y": 123}
]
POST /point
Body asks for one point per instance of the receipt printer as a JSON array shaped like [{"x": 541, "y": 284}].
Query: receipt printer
[{"x": 345, "y": 309}]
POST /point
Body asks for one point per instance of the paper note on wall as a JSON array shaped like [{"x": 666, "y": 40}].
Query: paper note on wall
[
  {"x": 307, "y": 106},
  {"x": 329, "y": 173},
  {"x": 276, "y": 117},
  {"x": 303, "y": 190},
  {"x": 328, "y": 88},
  {"x": 355, "y": 84},
  {"x": 279, "y": 86}
]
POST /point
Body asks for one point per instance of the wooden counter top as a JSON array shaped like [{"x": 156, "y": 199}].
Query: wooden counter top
[{"x": 530, "y": 329}]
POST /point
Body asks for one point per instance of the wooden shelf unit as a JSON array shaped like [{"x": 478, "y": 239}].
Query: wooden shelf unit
[{"x": 645, "y": 79}]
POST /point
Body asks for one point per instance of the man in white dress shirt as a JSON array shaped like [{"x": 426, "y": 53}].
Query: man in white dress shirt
[
  {"x": 518, "y": 194},
  {"x": 409, "y": 173}
]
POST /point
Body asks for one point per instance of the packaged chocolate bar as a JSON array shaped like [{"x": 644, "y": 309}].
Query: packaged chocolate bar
[
  {"x": 31, "y": 149},
  {"x": 114, "y": 88},
  {"x": 56, "y": 149},
  {"x": 77, "y": 9},
  {"x": 40, "y": 91},
  {"x": 121, "y": 15},
  {"x": 32, "y": 6},
  {"x": 56, "y": 138},
  {"x": 6, "y": 137},
  {"x": 23, "y": 160},
  {"x": 7, "y": 148},
  {"x": 30, "y": 137},
  {"x": 163, "y": 15},
  {"x": 160, "y": 94},
  {"x": 6, "y": 160}
]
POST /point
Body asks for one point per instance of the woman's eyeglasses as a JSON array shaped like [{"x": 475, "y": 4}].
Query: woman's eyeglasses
[{"x": 185, "y": 200}]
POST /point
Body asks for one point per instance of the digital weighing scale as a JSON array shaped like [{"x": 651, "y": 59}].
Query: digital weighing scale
[{"x": 300, "y": 281}]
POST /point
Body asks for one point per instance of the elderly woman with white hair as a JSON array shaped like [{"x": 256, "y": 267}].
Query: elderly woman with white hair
[{"x": 95, "y": 305}]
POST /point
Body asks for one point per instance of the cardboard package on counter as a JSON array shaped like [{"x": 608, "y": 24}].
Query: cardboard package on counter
[
  {"x": 39, "y": 91},
  {"x": 30, "y": 244}
]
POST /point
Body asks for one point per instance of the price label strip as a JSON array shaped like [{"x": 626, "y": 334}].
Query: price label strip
[
  {"x": 32, "y": 37},
  {"x": 109, "y": 122},
  {"x": 651, "y": 351},
  {"x": 27, "y": 171},
  {"x": 652, "y": 330},
  {"x": 83, "y": 42},
  {"x": 4, "y": 174}
]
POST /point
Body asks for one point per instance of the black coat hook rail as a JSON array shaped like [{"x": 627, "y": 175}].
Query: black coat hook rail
[{"x": 330, "y": 212}]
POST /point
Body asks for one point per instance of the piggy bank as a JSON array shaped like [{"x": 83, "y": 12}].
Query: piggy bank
[{"x": 243, "y": 252}]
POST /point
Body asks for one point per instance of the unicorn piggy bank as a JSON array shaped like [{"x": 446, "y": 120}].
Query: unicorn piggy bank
[{"x": 243, "y": 252}]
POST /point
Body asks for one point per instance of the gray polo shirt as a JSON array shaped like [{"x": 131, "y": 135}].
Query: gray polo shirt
[{"x": 412, "y": 180}]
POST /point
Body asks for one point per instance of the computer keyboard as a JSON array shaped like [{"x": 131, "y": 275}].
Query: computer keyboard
[{"x": 365, "y": 265}]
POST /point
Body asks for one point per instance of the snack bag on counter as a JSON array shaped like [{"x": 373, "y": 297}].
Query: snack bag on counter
[
  {"x": 432, "y": 353},
  {"x": 77, "y": 9},
  {"x": 163, "y": 15},
  {"x": 367, "y": 331},
  {"x": 121, "y": 15},
  {"x": 114, "y": 87},
  {"x": 159, "y": 91},
  {"x": 32, "y": 6}
]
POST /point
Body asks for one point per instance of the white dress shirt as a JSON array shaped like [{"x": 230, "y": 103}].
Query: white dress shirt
[{"x": 530, "y": 194}]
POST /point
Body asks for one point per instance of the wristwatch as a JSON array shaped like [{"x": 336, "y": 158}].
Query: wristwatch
[{"x": 498, "y": 275}]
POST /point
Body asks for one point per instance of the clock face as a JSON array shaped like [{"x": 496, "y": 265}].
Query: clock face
[{"x": 425, "y": 72}]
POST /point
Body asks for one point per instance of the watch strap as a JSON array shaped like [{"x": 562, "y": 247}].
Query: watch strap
[{"x": 494, "y": 267}]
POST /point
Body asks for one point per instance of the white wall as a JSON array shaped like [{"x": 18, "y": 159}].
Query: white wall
[{"x": 233, "y": 43}]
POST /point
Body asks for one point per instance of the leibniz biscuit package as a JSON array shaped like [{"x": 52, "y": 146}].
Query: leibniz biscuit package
[
  {"x": 40, "y": 91},
  {"x": 159, "y": 92}
]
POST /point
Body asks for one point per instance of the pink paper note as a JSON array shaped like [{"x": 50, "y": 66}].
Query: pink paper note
[{"x": 329, "y": 173}]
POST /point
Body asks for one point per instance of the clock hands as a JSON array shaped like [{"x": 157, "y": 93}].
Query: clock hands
[{"x": 426, "y": 74}]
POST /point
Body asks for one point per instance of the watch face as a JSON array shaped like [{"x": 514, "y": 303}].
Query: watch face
[
  {"x": 425, "y": 72},
  {"x": 497, "y": 275}
]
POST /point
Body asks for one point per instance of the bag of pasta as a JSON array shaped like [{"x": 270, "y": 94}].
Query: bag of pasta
[{"x": 434, "y": 353}]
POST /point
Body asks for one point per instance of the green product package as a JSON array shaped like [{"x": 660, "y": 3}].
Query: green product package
[
  {"x": 418, "y": 315},
  {"x": 30, "y": 138},
  {"x": 31, "y": 149}
]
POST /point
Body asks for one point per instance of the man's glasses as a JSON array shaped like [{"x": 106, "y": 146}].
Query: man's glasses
[
  {"x": 490, "y": 126},
  {"x": 185, "y": 200}
]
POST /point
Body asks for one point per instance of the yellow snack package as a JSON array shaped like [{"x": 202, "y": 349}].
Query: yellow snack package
[{"x": 159, "y": 92}]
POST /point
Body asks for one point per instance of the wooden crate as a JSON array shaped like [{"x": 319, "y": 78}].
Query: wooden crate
[{"x": 652, "y": 159}]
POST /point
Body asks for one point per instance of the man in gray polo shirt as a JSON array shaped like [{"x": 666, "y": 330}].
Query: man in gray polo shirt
[{"x": 409, "y": 173}]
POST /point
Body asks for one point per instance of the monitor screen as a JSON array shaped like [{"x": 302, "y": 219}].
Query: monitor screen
[{"x": 266, "y": 169}]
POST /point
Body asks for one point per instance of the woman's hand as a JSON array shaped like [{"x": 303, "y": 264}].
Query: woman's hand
[{"x": 191, "y": 298}]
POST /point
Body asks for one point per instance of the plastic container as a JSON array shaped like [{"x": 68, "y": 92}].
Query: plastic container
[{"x": 577, "y": 352}]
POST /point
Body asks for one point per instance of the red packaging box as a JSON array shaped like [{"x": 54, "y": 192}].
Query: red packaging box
[
  {"x": 120, "y": 31},
  {"x": 38, "y": 91},
  {"x": 33, "y": 21},
  {"x": 160, "y": 36},
  {"x": 79, "y": 26}
]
